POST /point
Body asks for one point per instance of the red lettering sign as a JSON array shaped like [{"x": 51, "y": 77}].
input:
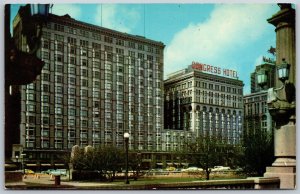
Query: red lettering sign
[{"x": 213, "y": 69}]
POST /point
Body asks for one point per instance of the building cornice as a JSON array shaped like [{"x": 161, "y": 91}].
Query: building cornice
[{"x": 67, "y": 20}]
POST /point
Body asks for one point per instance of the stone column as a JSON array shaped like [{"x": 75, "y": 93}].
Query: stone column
[{"x": 283, "y": 108}]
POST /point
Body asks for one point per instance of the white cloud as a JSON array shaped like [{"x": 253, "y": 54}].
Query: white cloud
[
  {"x": 118, "y": 17},
  {"x": 229, "y": 29},
  {"x": 73, "y": 10}
]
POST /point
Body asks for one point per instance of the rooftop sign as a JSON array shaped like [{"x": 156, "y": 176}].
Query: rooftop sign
[{"x": 214, "y": 69}]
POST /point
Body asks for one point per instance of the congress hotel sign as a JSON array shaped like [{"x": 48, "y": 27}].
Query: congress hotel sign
[{"x": 214, "y": 69}]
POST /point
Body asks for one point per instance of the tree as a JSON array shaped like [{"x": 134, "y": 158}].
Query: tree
[
  {"x": 258, "y": 152},
  {"x": 208, "y": 151}
]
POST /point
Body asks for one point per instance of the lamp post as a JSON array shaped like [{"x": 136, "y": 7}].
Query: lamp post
[
  {"x": 126, "y": 138},
  {"x": 282, "y": 100},
  {"x": 17, "y": 159},
  {"x": 23, "y": 157}
]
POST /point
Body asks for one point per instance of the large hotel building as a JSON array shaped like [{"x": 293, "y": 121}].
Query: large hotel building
[
  {"x": 203, "y": 100},
  {"x": 96, "y": 84}
]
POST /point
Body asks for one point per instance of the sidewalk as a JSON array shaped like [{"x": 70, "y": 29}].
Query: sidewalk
[{"x": 43, "y": 181}]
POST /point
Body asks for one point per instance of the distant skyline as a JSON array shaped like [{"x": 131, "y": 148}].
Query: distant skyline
[{"x": 230, "y": 36}]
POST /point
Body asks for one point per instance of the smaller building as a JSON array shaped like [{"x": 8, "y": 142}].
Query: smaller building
[{"x": 256, "y": 115}]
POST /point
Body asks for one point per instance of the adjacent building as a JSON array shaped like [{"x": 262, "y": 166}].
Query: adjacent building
[
  {"x": 96, "y": 84},
  {"x": 256, "y": 115},
  {"x": 269, "y": 66},
  {"x": 203, "y": 100}
]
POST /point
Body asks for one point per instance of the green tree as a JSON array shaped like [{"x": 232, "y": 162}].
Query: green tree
[
  {"x": 109, "y": 160},
  {"x": 258, "y": 152},
  {"x": 207, "y": 152}
]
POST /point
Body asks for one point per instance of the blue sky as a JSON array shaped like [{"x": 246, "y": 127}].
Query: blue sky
[{"x": 231, "y": 36}]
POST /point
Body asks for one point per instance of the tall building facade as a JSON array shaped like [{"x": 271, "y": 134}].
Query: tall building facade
[
  {"x": 269, "y": 66},
  {"x": 96, "y": 84},
  {"x": 203, "y": 100},
  {"x": 257, "y": 117}
]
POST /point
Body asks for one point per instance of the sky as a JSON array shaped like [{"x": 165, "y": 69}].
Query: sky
[{"x": 230, "y": 36}]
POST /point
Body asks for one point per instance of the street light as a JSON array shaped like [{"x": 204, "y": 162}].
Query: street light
[
  {"x": 126, "y": 138},
  {"x": 262, "y": 78},
  {"x": 283, "y": 71},
  {"x": 17, "y": 159},
  {"x": 23, "y": 167}
]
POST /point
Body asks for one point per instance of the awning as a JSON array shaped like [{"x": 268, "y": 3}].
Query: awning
[
  {"x": 31, "y": 164},
  {"x": 159, "y": 164},
  {"x": 169, "y": 163}
]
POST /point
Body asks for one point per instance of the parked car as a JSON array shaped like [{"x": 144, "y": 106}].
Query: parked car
[
  {"x": 221, "y": 168},
  {"x": 192, "y": 169},
  {"x": 62, "y": 172},
  {"x": 171, "y": 168},
  {"x": 28, "y": 171},
  {"x": 48, "y": 171}
]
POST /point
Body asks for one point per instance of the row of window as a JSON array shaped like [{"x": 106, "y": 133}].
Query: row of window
[
  {"x": 98, "y": 37},
  {"x": 205, "y": 85}
]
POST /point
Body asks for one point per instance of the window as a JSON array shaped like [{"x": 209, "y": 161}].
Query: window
[
  {"x": 45, "y": 98},
  {"x": 45, "y": 132},
  {"x": 84, "y": 72},
  {"x": 58, "y": 27},
  {"x": 58, "y": 110},
  {"x": 141, "y": 55},
  {"x": 108, "y": 48},
  {"x": 131, "y": 53},
  {"x": 30, "y": 96},
  {"x": 71, "y": 134},
  {"x": 120, "y": 51},
  {"x": 58, "y": 144},
  {"x": 71, "y": 122},
  {"x": 131, "y": 45},
  {"x": 72, "y": 30},
  {"x": 84, "y": 113},
  {"x": 59, "y": 57},
  {"x": 72, "y": 111},
  {"x": 30, "y": 119},
  {"x": 60, "y": 47},
  {"x": 84, "y": 62},
  {"x": 83, "y": 92},
  {"x": 59, "y": 89},
  {"x": 72, "y": 40},
  {"x": 83, "y": 103},
  {"x": 58, "y": 100},
  {"x": 108, "y": 39},
  {"x": 30, "y": 108},
  {"x": 73, "y": 50},
  {"x": 72, "y": 91},
  {"x": 46, "y": 77},
  {"x": 58, "y": 121},
  {"x": 59, "y": 37},
  {"x": 58, "y": 133},
  {"x": 45, "y": 109},
  {"x": 84, "y": 43},
  {"x": 59, "y": 68},
  {"x": 72, "y": 80},
  {"x": 46, "y": 44},
  {"x": 72, "y": 60},
  {"x": 120, "y": 42},
  {"x": 84, "y": 123},
  {"x": 71, "y": 101},
  {"x": 83, "y": 52},
  {"x": 84, "y": 82},
  {"x": 58, "y": 79},
  {"x": 45, "y": 120},
  {"x": 72, "y": 70}
]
